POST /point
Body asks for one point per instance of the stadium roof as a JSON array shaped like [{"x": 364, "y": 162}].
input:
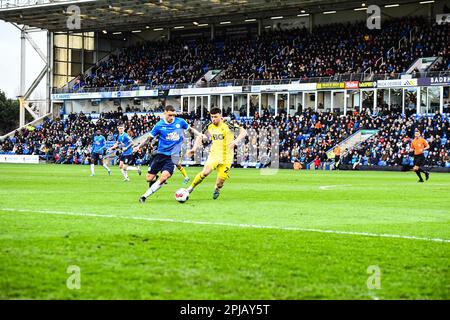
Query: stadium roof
[{"x": 133, "y": 14}]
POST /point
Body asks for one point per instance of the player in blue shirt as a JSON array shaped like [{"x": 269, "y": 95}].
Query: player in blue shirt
[
  {"x": 169, "y": 131},
  {"x": 97, "y": 152},
  {"x": 152, "y": 152},
  {"x": 125, "y": 144}
]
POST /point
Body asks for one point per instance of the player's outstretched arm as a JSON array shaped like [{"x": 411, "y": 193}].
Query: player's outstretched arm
[
  {"x": 198, "y": 142},
  {"x": 196, "y": 132},
  {"x": 114, "y": 147},
  {"x": 143, "y": 144},
  {"x": 240, "y": 137},
  {"x": 130, "y": 144}
]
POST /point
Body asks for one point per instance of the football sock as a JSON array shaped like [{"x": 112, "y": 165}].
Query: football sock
[
  {"x": 155, "y": 178},
  {"x": 155, "y": 187},
  {"x": 419, "y": 175},
  {"x": 92, "y": 169},
  {"x": 106, "y": 167},
  {"x": 124, "y": 173},
  {"x": 197, "y": 180},
  {"x": 183, "y": 171}
]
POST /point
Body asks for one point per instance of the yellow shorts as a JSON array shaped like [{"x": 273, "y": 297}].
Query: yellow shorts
[{"x": 223, "y": 169}]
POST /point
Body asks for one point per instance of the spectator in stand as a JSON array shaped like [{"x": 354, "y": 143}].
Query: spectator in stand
[
  {"x": 330, "y": 50},
  {"x": 300, "y": 137}
]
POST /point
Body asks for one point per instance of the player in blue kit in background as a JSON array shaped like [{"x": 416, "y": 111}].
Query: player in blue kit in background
[
  {"x": 169, "y": 131},
  {"x": 125, "y": 144},
  {"x": 97, "y": 152}
]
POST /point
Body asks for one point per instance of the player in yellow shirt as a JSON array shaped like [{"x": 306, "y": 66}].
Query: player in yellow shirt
[{"x": 221, "y": 155}]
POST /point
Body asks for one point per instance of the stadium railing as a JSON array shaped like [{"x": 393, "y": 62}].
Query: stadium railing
[
  {"x": 8, "y": 4},
  {"x": 33, "y": 123},
  {"x": 329, "y": 152},
  {"x": 251, "y": 82}
]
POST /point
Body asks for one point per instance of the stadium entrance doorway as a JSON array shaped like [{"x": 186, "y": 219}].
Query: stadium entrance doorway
[
  {"x": 351, "y": 101},
  {"x": 409, "y": 101},
  {"x": 294, "y": 102},
  {"x": 309, "y": 100},
  {"x": 430, "y": 98},
  {"x": 338, "y": 101},
  {"x": 281, "y": 102},
  {"x": 201, "y": 104},
  {"x": 226, "y": 102},
  {"x": 367, "y": 100},
  {"x": 253, "y": 104}
]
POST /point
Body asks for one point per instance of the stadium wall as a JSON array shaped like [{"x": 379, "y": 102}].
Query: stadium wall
[
  {"x": 288, "y": 165},
  {"x": 86, "y": 106},
  {"x": 391, "y": 168}
]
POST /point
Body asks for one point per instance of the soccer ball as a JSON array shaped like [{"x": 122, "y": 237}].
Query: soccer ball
[{"x": 182, "y": 195}]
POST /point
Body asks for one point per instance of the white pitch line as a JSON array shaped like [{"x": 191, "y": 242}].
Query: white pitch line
[
  {"x": 226, "y": 224},
  {"x": 334, "y": 186}
]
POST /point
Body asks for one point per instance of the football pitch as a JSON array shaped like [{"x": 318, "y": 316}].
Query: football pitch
[{"x": 290, "y": 235}]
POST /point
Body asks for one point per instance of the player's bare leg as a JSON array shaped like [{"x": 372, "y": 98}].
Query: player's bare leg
[
  {"x": 199, "y": 178},
  {"x": 219, "y": 185},
  {"x": 165, "y": 175},
  {"x": 104, "y": 165},
  {"x": 183, "y": 172},
  {"x": 123, "y": 168},
  {"x": 92, "y": 165},
  {"x": 135, "y": 168},
  {"x": 151, "y": 179}
]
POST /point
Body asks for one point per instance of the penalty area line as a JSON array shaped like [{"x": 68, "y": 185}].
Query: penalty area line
[{"x": 225, "y": 224}]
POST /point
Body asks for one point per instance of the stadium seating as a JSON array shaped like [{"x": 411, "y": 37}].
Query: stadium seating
[
  {"x": 296, "y": 53},
  {"x": 302, "y": 137},
  {"x": 391, "y": 146}
]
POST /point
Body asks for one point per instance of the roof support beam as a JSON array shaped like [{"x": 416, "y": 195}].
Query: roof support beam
[{"x": 24, "y": 95}]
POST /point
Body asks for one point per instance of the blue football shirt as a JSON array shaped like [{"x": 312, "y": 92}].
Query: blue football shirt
[
  {"x": 125, "y": 142},
  {"x": 99, "y": 144},
  {"x": 170, "y": 135}
]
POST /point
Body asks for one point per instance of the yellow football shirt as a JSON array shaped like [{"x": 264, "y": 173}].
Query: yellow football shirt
[{"x": 222, "y": 136}]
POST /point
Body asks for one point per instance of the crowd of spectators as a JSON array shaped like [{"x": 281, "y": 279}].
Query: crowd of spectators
[
  {"x": 391, "y": 145},
  {"x": 302, "y": 138},
  {"x": 278, "y": 54},
  {"x": 154, "y": 63},
  {"x": 69, "y": 140}
]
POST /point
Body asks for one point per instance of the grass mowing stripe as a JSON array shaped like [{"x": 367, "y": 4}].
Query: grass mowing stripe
[{"x": 227, "y": 224}]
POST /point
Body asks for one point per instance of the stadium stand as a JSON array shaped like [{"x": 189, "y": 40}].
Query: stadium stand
[
  {"x": 302, "y": 137},
  {"x": 294, "y": 53},
  {"x": 330, "y": 50},
  {"x": 391, "y": 146}
]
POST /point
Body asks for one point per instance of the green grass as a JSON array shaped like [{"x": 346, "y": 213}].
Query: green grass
[{"x": 125, "y": 258}]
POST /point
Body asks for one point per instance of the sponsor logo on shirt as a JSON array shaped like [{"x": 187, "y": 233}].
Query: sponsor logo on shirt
[{"x": 173, "y": 136}]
